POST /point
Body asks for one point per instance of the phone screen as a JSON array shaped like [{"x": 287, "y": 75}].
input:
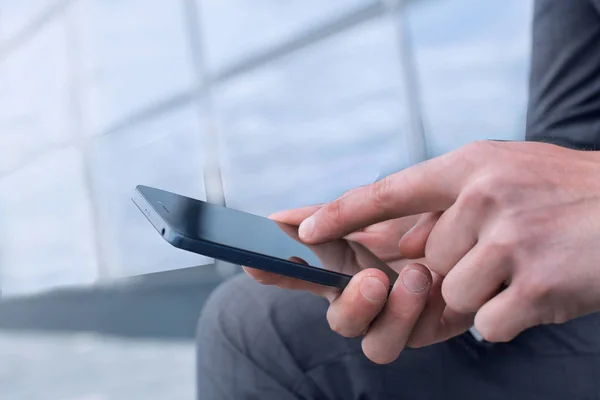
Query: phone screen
[{"x": 202, "y": 221}]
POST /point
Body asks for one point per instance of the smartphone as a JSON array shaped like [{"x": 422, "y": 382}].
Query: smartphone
[{"x": 253, "y": 241}]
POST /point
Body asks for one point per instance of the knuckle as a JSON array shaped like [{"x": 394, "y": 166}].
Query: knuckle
[
  {"x": 504, "y": 240},
  {"x": 478, "y": 148},
  {"x": 351, "y": 191},
  {"x": 474, "y": 155},
  {"x": 499, "y": 248},
  {"x": 482, "y": 194},
  {"x": 334, "y": 212},
  {"x": 381, "y": 193}
]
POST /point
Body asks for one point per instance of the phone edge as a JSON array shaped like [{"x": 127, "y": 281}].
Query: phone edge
[{"x": 236, "y": 256}]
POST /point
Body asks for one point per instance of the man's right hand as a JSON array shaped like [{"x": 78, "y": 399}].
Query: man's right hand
[{"x": 414, "y": 314}]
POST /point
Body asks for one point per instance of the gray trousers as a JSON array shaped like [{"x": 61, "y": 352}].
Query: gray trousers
[{"x": 257, "y": 342}]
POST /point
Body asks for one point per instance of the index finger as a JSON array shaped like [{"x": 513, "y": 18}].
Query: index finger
[
  {"x": 296, "y": 215},
  {"x": 430, "y": 186}
]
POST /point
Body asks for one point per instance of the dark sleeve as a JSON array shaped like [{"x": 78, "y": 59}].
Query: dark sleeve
[{"x": 564, "y": 95}]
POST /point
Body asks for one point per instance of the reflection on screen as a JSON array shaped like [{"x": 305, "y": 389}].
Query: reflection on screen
[{"x": 202, "y": 221}]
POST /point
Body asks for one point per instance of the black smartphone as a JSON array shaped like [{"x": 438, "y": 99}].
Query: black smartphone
[{"x": 245, "y": 239}]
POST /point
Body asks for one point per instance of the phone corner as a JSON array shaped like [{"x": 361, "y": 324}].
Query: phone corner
[{"x": 173, "y": 237}]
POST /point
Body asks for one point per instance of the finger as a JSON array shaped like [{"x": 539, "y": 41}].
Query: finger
[
  {"x": 427, "y": 187},
  {"x": 476, "y": 278},
  {"x": 360, "y": 302},
  {"x": 383, "y": 238},
  {"x": 295, "y": 216},
  {"x": 453, "y": 236},
  {"x": 412, "y": 244},
  {"x": 388, "y": 334},
  {"x": 428, "y": 325},
  {"x": 437, "y": 322},
  {"x": 286, "y": 282},
  {"x": 364, "y": 257},
  {"x": 505, "y": 316},
  {"x": 453, "y": 324}
]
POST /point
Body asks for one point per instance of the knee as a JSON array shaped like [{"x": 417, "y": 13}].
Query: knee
[
  {"x": 224, "y": 310},
  {"x": 232, "y": 312},
  {"x": 240, "y": 310}
]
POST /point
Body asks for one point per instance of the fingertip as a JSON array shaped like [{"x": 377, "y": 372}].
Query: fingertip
[
  {"x": 250, "y": 271},
  {"x": 359, "y": 304},
  {"x": 294, "y": 216},
  {"x": 373, "y": 285},
  {"x": 262, "y": 277},
  {"x": 504, "y": 317},
  {"x": 372, "y": 353},
  {"x": 490, "y": 330},
  {"x": 416, "y": 278},
  {"x": 281, "y": 216},
  {"x": 389, "y": 333},
  {"x": 276, "y": 216},
  {"x": 373, "y": 289},
  {"x": 306, "y": 229}
]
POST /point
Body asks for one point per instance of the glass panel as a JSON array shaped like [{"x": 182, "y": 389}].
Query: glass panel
[
  {"x": 34, "y": 97},
  {"x": 308, "y": 128},
  {"x": 133, "y": 54},
  {"x": 164, "y": 152},
  {"x": 46, "y": 231},
  {"x": 473, "y": 60},
  {"x": 236, "y": 28},
  {"x": 15, "y": 16}
]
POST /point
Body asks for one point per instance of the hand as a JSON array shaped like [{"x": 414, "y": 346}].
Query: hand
[
  {"x": 413, "y": 315},
  {"x": 341, "y": 256},
  {"x": 517, "y": 239}
]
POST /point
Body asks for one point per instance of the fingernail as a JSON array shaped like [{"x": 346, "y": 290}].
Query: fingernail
[
  {"x": 415, "y": 281},
  {"x": 372, "y": 289},
  {"x": 306, "y": 228}
]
